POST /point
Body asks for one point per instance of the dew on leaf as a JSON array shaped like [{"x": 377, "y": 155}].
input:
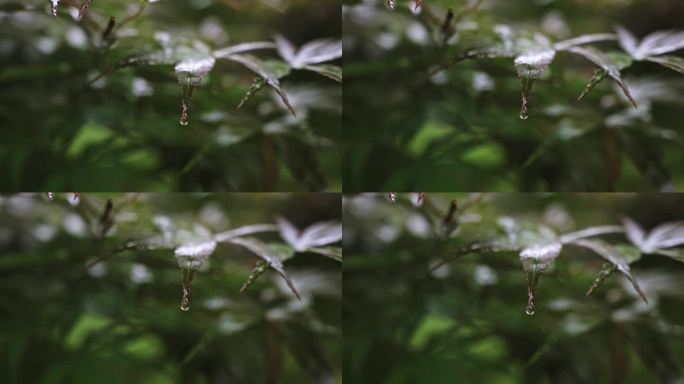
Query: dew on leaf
[
  {"x": 53, "y": 7},
  {"x": 532, "y": 284},
  {"x": 190, "y": 74},
  {"x": 190, "y": 258},
  {"x": 530, "y": 67}
]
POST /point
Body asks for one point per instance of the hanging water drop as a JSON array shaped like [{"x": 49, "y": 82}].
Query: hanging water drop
[
  {"x": 190, "y": 258},
  {"x": 531, "y": 66},
  {"x": 190, "y": 74},
  {"x": 188, "y": 275},
  {"x": 391, "y": 4},
  {"x": 532, "y": 283},
  {"x": 53, "y": 7},
  {"x": 527, "y": 83}
]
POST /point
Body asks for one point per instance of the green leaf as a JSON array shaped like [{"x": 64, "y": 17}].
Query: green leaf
[
  {"x": 334, "y": 253},
  {"x": 272, "y": 254},
  {"x": 328, "y": 70},
  {"x": 673, "y": 62},
  {"x": 271, "y": 72},
  {"x": 611, "y": 63},
  {"x": 611, "y": 254}
]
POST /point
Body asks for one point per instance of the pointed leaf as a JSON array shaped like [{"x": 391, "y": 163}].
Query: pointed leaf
[
  {"x": 244, "y": 231},
  {"x": 607, "y": 252},
  {"x": 591, "y": 232},
  {"x": 244, "y": 47},
  {"x": 660, "y": 43},
  {"x": 627, "y": 41},
  {"x": 334, "y": 253},
  {"x": 288, "y": 232},
  {"x": 584, "y": 39},
  {"x": 285, "y": 49},
  {"x": 665, "y": 236},
  {"x": 260, "y": 68},
  {"x": 271, "y": 254},
  {"x": 611, "y": 64},
  {"x": 320, "y": 234},
  {"x": 673, "y": 62},
  {"x": 328, "y": 70},
  {"x": 606, "y": 270},
  {"x": 318, "y": 51}
]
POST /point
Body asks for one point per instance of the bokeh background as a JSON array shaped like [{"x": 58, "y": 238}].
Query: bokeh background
[
  {"x": 406, "y": 129},
  {"x": 408, "y": 320},
  {"x": 73, "y": 309},
  {"x": 71, "y": 123}
]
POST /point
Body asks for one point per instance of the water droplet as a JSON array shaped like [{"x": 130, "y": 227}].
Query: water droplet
[
  {"x": 53, "y": 7},
  {"x": 391, "y": 4},
  {"x": 527, "y": 83},
  {"x": 51, "y": 195},
  {"x": 532, "y": 283},
  {"x": 186, "y": 91},
  {"x": 392, "y": 196},
  {"x": 187, "y": 275}
]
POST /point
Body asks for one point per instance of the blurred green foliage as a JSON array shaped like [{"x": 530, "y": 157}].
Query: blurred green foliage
[
  {"x": 409, "y": 320},
  {"x": 93, "y": 297},
  {"x": 92, "y": 108},
  {"x": 411, "y": 126}
]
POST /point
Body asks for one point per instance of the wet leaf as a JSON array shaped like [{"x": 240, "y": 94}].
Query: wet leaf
[
  {"x": 193, "y": 255},
  {"x": 583, "y": 40},
  {"x": 53, "y": 7},
  {"x": 540, "y": 257},
  {"x": 673, "y": 62},
  {"x": 612, "y": 64},
  {"x": 313, "y": 52},
  {"x": 272, "y": 254},
  {"x": 266, "y": 71},
  {"x": 609, "y": 253},
  {"x": 330, "y": 71},
  {"x": 316, "y": 235},
  {"x": 84, "y": 8},
  {"x": 244, "y": 231},
  {"x": 224, "y": 53},
  {"x": 591, "y": 232},
  {"x": 666, "y": 235},
  {"x": 334, "y": 253},
  {"x": 606, "y": 270}
]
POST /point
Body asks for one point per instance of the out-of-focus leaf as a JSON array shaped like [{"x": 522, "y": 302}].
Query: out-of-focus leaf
[
  {"x": 301, "y": 162},
  {"x": 244, "y": 47},
  {"x": 666, "y": 235},
  {"x": 316, "y": 235},
  {"x": 591, "y": 232},
  {"x": 244, "y": 231},
  {"x": 313, "y": 52},
  {"x": 609, "y": 253},
  {"x": 582, "y": 40},
  {"x": 673, "y": 62}
]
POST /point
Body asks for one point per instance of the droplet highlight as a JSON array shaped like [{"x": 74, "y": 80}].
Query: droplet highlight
[{"x": 391, "y": 4}]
